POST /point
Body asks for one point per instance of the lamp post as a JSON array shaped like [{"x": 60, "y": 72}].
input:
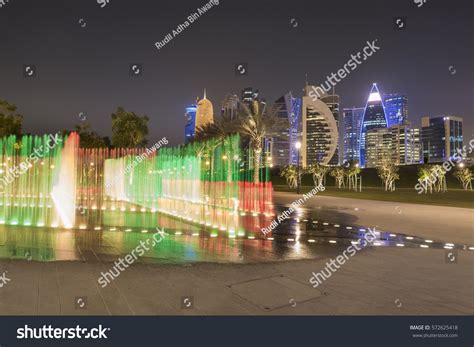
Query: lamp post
[{"x": 298, "y": 147}]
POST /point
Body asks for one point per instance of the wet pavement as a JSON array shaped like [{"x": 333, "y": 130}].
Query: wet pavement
[
  {"x": 301, "y": 236},
  {"x": 55, "y": 271}
]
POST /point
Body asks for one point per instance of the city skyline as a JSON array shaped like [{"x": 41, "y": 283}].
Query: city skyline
[
  {"x": 71, "y": 79},
  {"x": 298, "y": 163}
]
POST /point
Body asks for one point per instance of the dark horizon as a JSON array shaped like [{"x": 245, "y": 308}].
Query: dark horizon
[{"x": 86, "y": 68}]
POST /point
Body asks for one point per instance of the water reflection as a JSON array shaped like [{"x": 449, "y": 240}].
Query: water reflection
[{"x": 301, "y": 237}]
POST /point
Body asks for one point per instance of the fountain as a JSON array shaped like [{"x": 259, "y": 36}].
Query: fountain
[
  {"x": 205, "y": 184},
  {"x": 29, "y": 171}
]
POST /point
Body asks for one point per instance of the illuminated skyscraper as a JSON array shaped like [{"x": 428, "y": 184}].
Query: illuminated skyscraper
[
  {"x": 406, "y": 145},
  {"x": 204, "y": 112},
  {"x": 396, "y": 109},
  {"x": 352, "y": 118},
  {"x": 230, "y": 107},
  {"x": 319, "y": 131},
  {"x": 248, "y": 95},
  {"x": 378, "y": 146},
  {"x": 332, "y": 100},
  {"x": 374, "y": 117},
  {"x": 441, "y": 137},
  {"x": 190, "y": 127},
  {"x": 283, "y": 147}
]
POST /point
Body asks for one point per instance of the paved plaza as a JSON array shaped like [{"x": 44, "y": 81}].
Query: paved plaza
[{"x": 56, "y": 273}]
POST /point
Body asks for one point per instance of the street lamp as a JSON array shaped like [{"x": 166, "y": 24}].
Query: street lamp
[
  {"x": 298, "y": 147},
  {"x": 461, "y": 165}
]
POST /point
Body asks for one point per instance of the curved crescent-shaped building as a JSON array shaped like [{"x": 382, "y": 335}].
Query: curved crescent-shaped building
[
  {"x": 319, "y": 132},
  {"x": 374, "y": 118}
]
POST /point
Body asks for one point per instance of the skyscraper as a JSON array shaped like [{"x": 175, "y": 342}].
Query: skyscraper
[
  {"x": 248, "y": 96},
  {"x": 378, "y": 146},
  {"x": 406, "y": 145},
  {"x": 190, "y": 127},
  {"x": 284, "y": 151},
  {"x": 230, "y": 107},
  {"x": 204, "y": 112},
  {"x": 374, "y": 117},
  {"x": 396, "y": 109},
  {"x": 332, "y": 101},
  {"x": 441, "y": 137},
  {"x": 319, "y": 131},
  {"x": 352, "y": 118}
]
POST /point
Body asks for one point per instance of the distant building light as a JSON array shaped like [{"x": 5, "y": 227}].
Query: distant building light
[{"x": 374, "y": 97}]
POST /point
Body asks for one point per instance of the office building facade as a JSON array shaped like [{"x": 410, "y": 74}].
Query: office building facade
[
  {"x": 332, "y": 101},
  {"x": 352, "y": 120},
  {"x": 441, "y": 137},
  {"x": 190, "y": 127},
  {"x": 406, "y": 144},
  {"x": 378, "y": 146},
  {"x": 283, "y": 144},
  {"x": 396, "y": 109},
  {"x": 230, "y": 107},
  {"x": 319, "y": 138},
  {"x": 374, "y": 118}
]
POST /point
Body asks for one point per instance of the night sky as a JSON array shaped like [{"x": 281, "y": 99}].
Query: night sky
[{"x": 86, "y": 68}]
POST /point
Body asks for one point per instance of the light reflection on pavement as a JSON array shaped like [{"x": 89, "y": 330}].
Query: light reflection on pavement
[{"x": 303, "y": 236}]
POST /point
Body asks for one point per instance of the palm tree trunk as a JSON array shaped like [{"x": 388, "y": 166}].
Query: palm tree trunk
[{"x": 256, "y": 163}]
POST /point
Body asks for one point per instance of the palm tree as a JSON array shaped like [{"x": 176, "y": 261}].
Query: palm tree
[
  {"x": 257, "y": 123},
  {"x": 219, "y": 131}
]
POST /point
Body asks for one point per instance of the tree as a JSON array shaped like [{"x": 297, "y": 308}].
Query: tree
[
  {"x": 219, "y": 129},
  {"x": 440, "y": 174},
  {"x": 319, "y": 172},
  {"x": 258, "y": 122},
  {"x": 90, "y": 139},
  {"x": 425, "y": 179},
  {"x": 465, "y": 177},
  {"x": 432, "y": 177},
  {"x": 290, "y": 173},
  {"x": 338, "y": 173},
  {"x": 10, "y": 121},
  {"x": 128, "y": 129},
  {"x": 352, "y": 171},
  {"x": 388, "y": 172}
]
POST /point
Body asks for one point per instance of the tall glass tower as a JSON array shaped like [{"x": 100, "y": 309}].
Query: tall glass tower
[
  {"x": 320, "y": 135},
  {"x": 352, "y": 119},
  {"x": 190, "y": 127},
  {"x": 332, "y": 101},
  {"x": 284, "y": 151},
  {"x": 396, "y": 109},
  {"x": 441, "y": 137},
  {"x": 374, "y": 117}
]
